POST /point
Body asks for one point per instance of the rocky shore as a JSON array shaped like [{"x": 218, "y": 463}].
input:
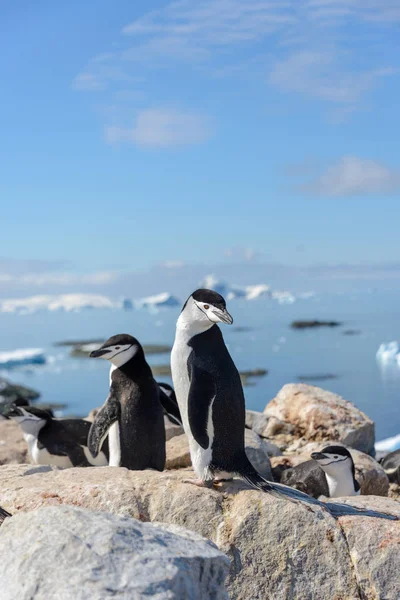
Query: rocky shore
[{"x": 226, "y": 542}]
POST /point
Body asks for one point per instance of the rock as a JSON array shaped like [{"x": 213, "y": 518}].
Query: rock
[
  {"x": 11, "y": 392},
  {"x": 267, "y": 427},
  {"x": 278, "y": 549},
  {"x": 394, "y": 491},
  {"x": 257, "y": 453},
  {"x": 374, "y": 546},
  {"x": 315, "y": 323},
  {"x": 178, "y": 454},
  {"x": 13, "y": 448},
  {"x": 369, "y": 473},
  {"x": 318, "y": 415},
  {"x": 171, "y": 430},
  {"x": 100, "y": 555}
]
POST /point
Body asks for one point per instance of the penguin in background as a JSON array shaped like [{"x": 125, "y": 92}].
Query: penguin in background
[
  {"x": 132, "y": 415},
  {"x": 330, "y": 473},
  {"x": 210, "y": 397},
  {"x": 59, "y": 442}
]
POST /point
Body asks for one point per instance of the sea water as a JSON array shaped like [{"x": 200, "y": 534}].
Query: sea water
[{"x": 261, "y": 337}]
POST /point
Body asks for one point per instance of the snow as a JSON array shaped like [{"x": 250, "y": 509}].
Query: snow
[
  {"x": 66, "y": 302},
  {"x": 389, "y": 445},
  {"x": 25, "y": 356},
  {"x": 164, "y": 299}
]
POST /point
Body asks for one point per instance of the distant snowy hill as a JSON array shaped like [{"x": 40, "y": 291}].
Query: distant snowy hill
[
  {"x": 158, "y": 300},
  {"x": 248, "y": 292}
]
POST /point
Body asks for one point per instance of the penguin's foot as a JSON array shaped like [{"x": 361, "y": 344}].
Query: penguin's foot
[{"x": 200, "y": 482}]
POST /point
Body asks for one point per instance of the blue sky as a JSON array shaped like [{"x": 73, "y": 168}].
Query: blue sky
[{"x": 138, "y": 133}]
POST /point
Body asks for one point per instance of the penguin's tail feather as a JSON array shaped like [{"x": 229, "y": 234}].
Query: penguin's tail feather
[{"x": 278, "y": 490}]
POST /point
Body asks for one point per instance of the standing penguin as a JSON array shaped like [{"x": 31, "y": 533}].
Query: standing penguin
[
  {"x": 210, "y": 397},
  {"x": 132, "y": 413}
]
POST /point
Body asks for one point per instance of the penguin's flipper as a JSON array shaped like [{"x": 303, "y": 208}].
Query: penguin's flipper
[
  {"x": 170, "y": 404},
  {"x": 107, "y": 415},
  {"x": 201, "y": 395}
]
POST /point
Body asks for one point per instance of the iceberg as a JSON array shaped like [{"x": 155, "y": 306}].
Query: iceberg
[
  {"x": 389, "y": 353},
  {"x": 25, "y": 356},
  {"x": 283, "y": 297},
  {"x": 159, "y": 300},
  {"x": 388, "y": 445}
]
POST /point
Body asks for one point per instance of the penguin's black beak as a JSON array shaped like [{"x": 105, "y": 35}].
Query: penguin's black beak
[
  {"x": 98, "y": 353},
  {"x": 12, "y": 411},
  {"x": 223, "y": 316},
  {"x": 318, "y": 455}
]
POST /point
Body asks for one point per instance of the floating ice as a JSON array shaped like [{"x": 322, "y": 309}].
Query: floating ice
[
  {"x": 389, "y": 353},
  {"x": 25, "y": 356},
  {"x": 389, "y": 445}
]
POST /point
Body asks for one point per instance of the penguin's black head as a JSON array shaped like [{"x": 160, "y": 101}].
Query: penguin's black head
[
  {"x": 30, "y": 418},
  {"x": 332, "y": 459},
  {"x": 203, "y": 309},
  {"x": 118, "y": 349}
]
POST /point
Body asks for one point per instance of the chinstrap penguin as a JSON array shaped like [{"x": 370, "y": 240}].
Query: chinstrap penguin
[
  {"x": 330, "y": 473},
  {"x": 59, "y": 442},
  {"x": 391, "y": 465},
  {"x": 210, "y": 397},
  {"x": 132, "y": 415},
  {"x": 338, "y": 466}
]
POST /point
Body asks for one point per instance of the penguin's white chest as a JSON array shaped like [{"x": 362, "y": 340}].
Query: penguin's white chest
[
  {"x": 341, "y": 486},
  {"x": 201, "y": 457}
]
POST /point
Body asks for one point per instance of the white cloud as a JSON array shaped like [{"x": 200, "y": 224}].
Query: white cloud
[
  {"x": 320, "y": 74},
  {"x": 299, "y": 47},
  {"x": 354, "y": 176},
  {"x": 161, "y": 128}
]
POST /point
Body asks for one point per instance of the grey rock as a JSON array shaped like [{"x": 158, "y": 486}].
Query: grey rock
[
  {"x": 72, "y": 553},
  {"x": 374, "y": 546},
  {"x": 171, "y": 430},
  {"x": 257, "y": 453},
  {"x": 278, "y": 549}
]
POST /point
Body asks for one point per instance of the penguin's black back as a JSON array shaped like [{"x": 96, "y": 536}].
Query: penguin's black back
[
  {"x": 59, "y": 436},
  {"x": 141, "y": 423},
  {"x": 210, "y": 354}
]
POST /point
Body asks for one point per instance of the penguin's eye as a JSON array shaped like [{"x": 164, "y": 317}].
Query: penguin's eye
[
  {"x": 206, "y": 306},
  {"x": 117, "y": 347},
  {"x": 335, "y": 457}
]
